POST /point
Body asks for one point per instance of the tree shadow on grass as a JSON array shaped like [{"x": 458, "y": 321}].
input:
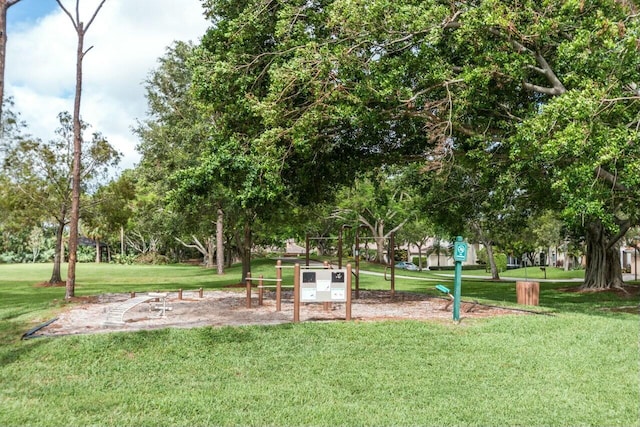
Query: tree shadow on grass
[
  {"x": 13, "y": 350},
  {"x": 562, "y": 297}
]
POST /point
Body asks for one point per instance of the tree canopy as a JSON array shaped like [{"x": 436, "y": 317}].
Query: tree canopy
[{"x": 528, "y": 104}]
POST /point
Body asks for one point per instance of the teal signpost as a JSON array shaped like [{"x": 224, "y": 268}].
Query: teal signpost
[{"x": 459, "y": 256}]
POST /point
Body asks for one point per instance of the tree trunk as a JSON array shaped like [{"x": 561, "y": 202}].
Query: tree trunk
[
  {"x": 377, "y": 232},
  {"x": 3, "y": 47},
  {"x": 77, "y": 148},
  {"x": 229, "y": 248},
  {"x": 75, "y": 183},
  {"x": 220, "y": 241},
  {"x": 210, "y": 249},
  {"x": 98, "y": 252},
  {"x": 603, "y": 259},
  {"x": 121, "y": 240},
  {"x": 4, "y": 6},
  {"x": 492, "y": 261},
  {"x": 57, "y": 256}
]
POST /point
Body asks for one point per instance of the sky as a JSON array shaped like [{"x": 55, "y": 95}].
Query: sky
[{"x": 126, "y": 38}]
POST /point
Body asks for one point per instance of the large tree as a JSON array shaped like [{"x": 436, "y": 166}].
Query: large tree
[
  {"x": 172, "y": 137},
  {"x": 554, "y": 84},
  {"x": 81, "y": 29},
  {"x": 379, "y": 203},
  {"x": 303, "y": 95},
  {"x": 107, "y": 211},
  {"x": 39, "y": 175}
]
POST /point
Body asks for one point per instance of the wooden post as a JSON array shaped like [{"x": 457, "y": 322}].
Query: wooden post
[
  {"x": 260, "y": 289},
  {"x": 248, "y": 281},
  {"x": 348, "y": 303},
  {"x": 133, "y": 294},
  {"x": 279, "y": 285},
  {"x": 527, "y": 293},
  {"x": 200, "y": 292},
  {"x": 296, "y": 293},
  {"x": 180, "y": 294},
  {"x": 391, "y": 253}
]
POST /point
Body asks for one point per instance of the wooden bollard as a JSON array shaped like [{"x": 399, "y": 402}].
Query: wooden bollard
[
  {"x": 133, "y": 294},
  {"x": 248, "y": 282},
  {"x": 528, "y": 293},
  {"x": 260, "y": 289},
  {"x": 180, "y": 294},
  {"x": 200, "y": 292}
]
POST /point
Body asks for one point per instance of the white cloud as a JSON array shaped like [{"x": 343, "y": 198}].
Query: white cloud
[{"x": 127, "y": 37}]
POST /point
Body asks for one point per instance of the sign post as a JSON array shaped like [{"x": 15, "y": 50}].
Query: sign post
[
  {"x": 459, "y": 256},
  {"x": 312, "y": 285}
]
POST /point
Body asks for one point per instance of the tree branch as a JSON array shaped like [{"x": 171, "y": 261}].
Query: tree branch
[
  {"x": 557, "y": 88},
  {"x": 64, "y": 9},
  {"x": 624, "y": 225},
  {"x": 94, "y": 15},
  {"x": 398, "y": 227},
  {"x": 76, "y": 22},
  {"x": 197, "y": 245},
  {"x": 610, "y": 178}
]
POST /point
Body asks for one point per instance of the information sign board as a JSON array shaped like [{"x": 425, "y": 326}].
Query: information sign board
[{"x": 323, "y": 285}]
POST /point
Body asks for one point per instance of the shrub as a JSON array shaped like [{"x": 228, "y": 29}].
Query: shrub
[
  {"x": 416, "y": 261},
  {"x": 151, "y": 258},
  {"x": 400, "y": 255},
  {"x": 501, "y": 262}
]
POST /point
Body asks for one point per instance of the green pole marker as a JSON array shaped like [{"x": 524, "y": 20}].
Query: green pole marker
[{"x": 459, "y": 256}]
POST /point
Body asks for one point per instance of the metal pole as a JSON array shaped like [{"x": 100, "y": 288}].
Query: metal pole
[{"x": 457, "y": 291}]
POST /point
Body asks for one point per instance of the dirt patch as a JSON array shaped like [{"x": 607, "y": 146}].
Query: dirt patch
[
  {"x": 220, "y": 308},
  {"x": 50, "y": 285}
]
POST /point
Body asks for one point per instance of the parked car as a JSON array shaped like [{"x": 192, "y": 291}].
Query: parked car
[{"x": 404, "y": 265}]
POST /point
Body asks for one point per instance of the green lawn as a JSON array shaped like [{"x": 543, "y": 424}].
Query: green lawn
[{"x": 577, "y": 366}]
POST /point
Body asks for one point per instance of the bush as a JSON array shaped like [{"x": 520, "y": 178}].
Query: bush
[
  {"x": 11, "y": 258},
  {"x": 127, "y": 259},
  {"x": 151, "y": 258},
  {"x": 86, "y": 254},
  {"x": 400, "y": 255},
  {"x": 501, "y": 262},
  {"x": 416, "y": 261}
]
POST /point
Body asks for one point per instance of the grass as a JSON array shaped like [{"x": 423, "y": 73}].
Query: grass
[{"x": 577, "y": 367}]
